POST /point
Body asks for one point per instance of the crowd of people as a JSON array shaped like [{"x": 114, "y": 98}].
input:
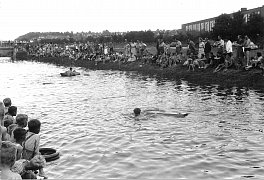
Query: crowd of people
[
  {"x": 86, "y": 51},
  {"x": 224, "y": 57},
  {"x": 20, "y": 156},
  {"x": 168, "y": 54}
]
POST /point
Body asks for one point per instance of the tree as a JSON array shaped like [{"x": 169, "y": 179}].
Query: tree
[
  {"x": 238, "y": 25},
  {"x": 255, "y": 26},
  {"x": 223, "y": 26}
]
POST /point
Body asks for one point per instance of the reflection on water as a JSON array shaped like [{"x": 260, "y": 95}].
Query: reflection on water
[{"x": 89, "y": 120}]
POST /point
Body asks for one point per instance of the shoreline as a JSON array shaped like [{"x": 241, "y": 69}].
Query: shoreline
[{"x": 230, "y": 78}]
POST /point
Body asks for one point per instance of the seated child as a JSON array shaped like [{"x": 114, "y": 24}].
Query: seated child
[
  {"x": 7, "y": 102},
  {"x": 221, "y": 62},
  {"x": 12, "y": 111},
  {"x": 19, "y": 135},
  {"x": 200, "y": 62},
  {"x": 31, "y": 143},
  {"x": 257, "y": 61},
  {"x": 21, "y": 122},
  {"x": 189, "y": 61},
  {"x": 8, "y": 158}
]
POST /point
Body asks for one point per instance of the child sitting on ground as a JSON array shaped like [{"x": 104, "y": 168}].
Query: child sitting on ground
[
  {"x": 31, "y": 144},
  {"x": 8, "y": 158},
  {"x": 21, "y": 122},
  {"x": 23, "y": 166},
  {"x": 7, "y": 102},
  {"x": 12, "y": 111},
  {"x": 221, "y": 63},
  {"x": 200, "y": 62},
  {"x": 189, "y": 62}
]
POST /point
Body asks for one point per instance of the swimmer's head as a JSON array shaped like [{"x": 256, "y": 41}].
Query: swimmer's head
[{"x": 137, "y": 111}]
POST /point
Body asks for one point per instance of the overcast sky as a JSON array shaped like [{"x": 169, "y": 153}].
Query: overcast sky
[{"x": 18, "y": 17}]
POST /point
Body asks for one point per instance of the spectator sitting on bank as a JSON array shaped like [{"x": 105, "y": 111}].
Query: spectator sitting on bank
[
  {"x": 8, "y": 158},
  {"x": 200, "y": 62},
  {"x": 212, "y": 59},
  {"x": 19, "y": 135},
  {"x": 257, "y": 61},
  {"x": 173, "y": 59},
  {"x": 21, "y": 122},
  {"x": 189, "y": 62},
  {"x": 32, "y": 142},
  {"x": 180, "y": 58},
  {"x": 12, "y": 111},
  {"x": 225, "y": 62}
]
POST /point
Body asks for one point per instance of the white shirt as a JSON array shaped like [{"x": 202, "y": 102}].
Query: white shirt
[{"x": 229, "y": 47}]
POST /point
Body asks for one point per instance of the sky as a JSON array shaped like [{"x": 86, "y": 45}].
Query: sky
[{"x": 18, "y": 17}]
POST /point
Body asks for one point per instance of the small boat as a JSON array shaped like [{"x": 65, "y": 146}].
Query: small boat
[
  {"x": 74, "y": 73},
  {"x": 49, "y": 154}
]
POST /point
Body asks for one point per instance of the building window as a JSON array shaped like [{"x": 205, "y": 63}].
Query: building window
[
  {"x": 198, "y": 27},
  {"x": 202, "y": 26},
  {"x": 212, "y": 23},
  {"x": 206, "y": 26},
  {"x": 246, "y": 17},
  {"x": 190, "y": 27}
]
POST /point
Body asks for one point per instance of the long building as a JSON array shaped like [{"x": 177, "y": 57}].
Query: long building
[{"x": 207, "y": 25}]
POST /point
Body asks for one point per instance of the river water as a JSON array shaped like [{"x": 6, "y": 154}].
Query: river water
[{"x": 88, "y": 119}]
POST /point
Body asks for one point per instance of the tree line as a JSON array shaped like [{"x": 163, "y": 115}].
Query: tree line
[{"x": 226, "y": 25}]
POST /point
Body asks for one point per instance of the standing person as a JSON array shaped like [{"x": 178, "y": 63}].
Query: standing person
[
  {"x": 229, "y": 51},
  {"x": 247, "y": 49},
  {"x": 201, "y": 48},
  {"x": 2, "y": 113},
  {"x": 127, "y": 49},
  {"x": 228, "y": 47},
  {"x": 157, "y": 47},
  {"x": 162, "y": 46},
  {"x": 191, "y": 47},
  {"x": 220, "y": 45},
  {"x": 178, "y": 47},
  {"x": 207, "y": 49},
  {"x": 240, "y": 53},
  {"x": 137, "y": 50}
]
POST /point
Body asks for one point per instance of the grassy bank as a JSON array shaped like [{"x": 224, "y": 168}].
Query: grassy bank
[{"x": 229, "y": 78}]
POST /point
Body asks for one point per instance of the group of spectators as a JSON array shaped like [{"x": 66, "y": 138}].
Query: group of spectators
[
  {"x": 224, "y": 56},
  {"x": 20, "y": 156},
  {"x": 86, "y": 51},
  {"x": 201, "y": 54}
]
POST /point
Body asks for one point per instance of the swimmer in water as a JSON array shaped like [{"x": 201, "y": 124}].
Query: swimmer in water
[{"x": 137, "y": 112}]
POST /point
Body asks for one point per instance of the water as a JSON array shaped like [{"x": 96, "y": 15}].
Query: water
[{"x": 88, "y": 119}]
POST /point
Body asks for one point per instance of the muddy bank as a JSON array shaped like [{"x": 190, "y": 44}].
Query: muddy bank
[{"x": 229, "y": 78}]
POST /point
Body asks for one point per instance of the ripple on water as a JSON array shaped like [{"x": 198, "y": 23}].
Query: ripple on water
[{"x": 88, "y": 119}]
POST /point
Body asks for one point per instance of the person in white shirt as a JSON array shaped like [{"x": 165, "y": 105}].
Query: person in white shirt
[
  {"x": 228, "y": 47},
  {"x": 229, "y": 51}
]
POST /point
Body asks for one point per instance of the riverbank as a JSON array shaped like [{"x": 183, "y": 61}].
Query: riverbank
[{"x": 230, "y": 78}]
